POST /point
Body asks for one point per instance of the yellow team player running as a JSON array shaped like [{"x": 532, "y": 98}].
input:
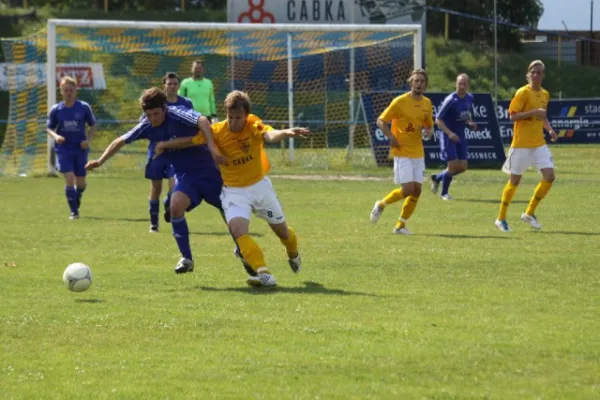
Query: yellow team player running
[
  {"x": 528, "y": 111},
  {"x": 246, "y": 187},
  {"x": 410, "y": 115}
]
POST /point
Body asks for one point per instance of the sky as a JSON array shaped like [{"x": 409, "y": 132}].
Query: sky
[{"x": 575, "y": 13}]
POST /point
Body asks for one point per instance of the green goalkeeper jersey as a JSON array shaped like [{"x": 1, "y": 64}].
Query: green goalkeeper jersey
[{"x": 201, "y": 92}]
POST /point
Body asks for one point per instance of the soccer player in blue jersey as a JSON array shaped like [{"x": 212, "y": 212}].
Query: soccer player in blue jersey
[
  {"x": 160, "y": 168},
  {"x": 196, "y": 174},
  {"x": 454, "y": 119},
  {"x": 67, "y": 126}
]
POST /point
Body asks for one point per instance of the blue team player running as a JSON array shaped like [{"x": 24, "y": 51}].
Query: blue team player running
[
  {"x": 454, "y": 119},
  {"x": 66, "y": 125},
  {"x": 160, "y": 168},
  {"x": 196, "y": 174}
]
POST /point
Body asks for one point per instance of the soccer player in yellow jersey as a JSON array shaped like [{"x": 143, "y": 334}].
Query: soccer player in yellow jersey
[
  {"x": 528, "y": 111},
  {"x": 246, "y": 187},
  {"x": 411, "y": 115}
]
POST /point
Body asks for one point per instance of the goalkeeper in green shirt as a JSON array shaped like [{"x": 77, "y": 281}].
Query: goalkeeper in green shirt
[{"x": 200, "y": 90}]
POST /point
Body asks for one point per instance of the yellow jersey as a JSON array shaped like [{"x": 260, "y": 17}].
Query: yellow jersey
[
  {"x": 408, "y": 117},
  {"x": 528, "y": 133},
  {"x": 247, "y": 162}
]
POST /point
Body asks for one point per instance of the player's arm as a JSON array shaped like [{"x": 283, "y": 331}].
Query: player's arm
[
  {"x": 515, "y": 109},
  {"x": 428, "y": 124},
  {"x": 110, "y": 151},
  {"x": 383, "y": 123},
  {"x": 551, "y": 132},
  {"x": 442, "y": 125},
  {"x": 277, "y": 135},
  {"x": 51, "y": 126},
  {"x": 442, "y": 115},
  {"x": 207, "y": 132}
]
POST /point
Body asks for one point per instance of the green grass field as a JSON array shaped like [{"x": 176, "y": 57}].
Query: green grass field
[{"x": 457, "y": 311}]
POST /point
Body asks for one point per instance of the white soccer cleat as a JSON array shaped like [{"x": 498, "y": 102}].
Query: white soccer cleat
[
  {"x": 503, "y": 225},
  {"x": 263, "y": 279},
  {"x": 435, "y": 185},
  {"x": 184, "y": 265},
  {"x": 446, "y": 197},
  {"x": 153, "y": 228},
  {"x": 402, "y": 231},
  {"x": 376, "y": 212},
  {"x": 531, "y": 220},
  {"x": 295, "y": 263}
]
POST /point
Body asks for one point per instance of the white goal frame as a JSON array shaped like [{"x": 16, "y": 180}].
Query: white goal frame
[{"x": 290, "y": 28}]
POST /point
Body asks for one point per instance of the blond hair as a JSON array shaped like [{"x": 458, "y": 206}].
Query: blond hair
[
  {"x": 533, "y": 64},
  {"x": 416, "y": 72},
  {"x": 67, "y": 80},
  {"x": 237, "y": 100}
]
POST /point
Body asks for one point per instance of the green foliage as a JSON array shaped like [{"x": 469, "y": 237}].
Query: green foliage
[
  {"x": 520, "y": 12},
  {"x": 457, "y": 311}
]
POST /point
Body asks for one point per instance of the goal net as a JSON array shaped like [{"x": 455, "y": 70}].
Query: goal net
[{"x": 299, "y": 75}]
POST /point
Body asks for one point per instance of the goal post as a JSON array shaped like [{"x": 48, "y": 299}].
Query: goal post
[{"x": 296, "y": 75}]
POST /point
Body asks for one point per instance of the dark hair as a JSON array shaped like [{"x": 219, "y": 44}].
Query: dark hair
[
  {"x": 171, "y": 75},
  {"x": 237, "y": 100},
  {"x": 153, "y": 98}
]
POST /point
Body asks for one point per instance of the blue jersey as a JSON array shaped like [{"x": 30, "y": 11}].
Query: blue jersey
[
  {"x": 455, "y": 112},
  {"x": 178, "y": 123},
  {"x": 69, "y": 122},
  {"x": 182, "y": 102}
]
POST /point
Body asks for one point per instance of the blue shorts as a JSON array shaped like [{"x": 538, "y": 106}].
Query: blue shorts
[
  {"x": 199, "y": 188},
  {"x": 454, "y": 151},
  {"x": 159, "y": 169},
  {"x": 72, "y": 161}
]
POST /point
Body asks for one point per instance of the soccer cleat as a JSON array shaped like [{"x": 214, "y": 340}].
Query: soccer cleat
[
  {"x": 446, "y": 197},
  {"x": 184, "y": 265},
  {"x": 167, "y": 214},
  {"x": 295, "y": 263},
  {"x": 74, "y": 216},
  {"x": 263, "y": 279},
  {"x": 503, "y": 225},
  {"x": 247, "y": 267},
  {"x": 376, "y": 212},
  {"x": 435, "y": 185},
  {"x": 401, "y": 231},
  {"x": 154, "y": 228},
  {"x": 531, "y": 220}
]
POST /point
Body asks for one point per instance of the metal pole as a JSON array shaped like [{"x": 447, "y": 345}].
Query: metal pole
[
  {"x": 352, "y": 54},
  {"x": 495, "y": 55},
  {"x": 290, "y": 93},
  {"x": 51, "y": 87}
]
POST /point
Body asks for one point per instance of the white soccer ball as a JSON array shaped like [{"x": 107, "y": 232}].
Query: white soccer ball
[{"x": 77, "y": 277}]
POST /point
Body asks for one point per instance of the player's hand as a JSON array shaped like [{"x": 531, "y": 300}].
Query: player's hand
[
  {"x": 93, "y": 164},
  {"x": 553, "y": 136},
  {"x": 85, "y": 144},
  {"x": 540, "y": 112},
  {"x": 472, "y": 125},
  {"x": 59, "y": 139},
  {"x": 158, "y": 150},
  {"x": 217, "y": 156},
  {"x": 454, "y": 137},
  {"x": 298, "y": 132}
]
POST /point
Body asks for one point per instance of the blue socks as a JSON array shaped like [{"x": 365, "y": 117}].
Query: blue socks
[
  {"x": 71, "y": 194},
  {"x": 154, "y": 206},
  {"x": 446, "y": 180},
  {"x": 182, "y": 236}
]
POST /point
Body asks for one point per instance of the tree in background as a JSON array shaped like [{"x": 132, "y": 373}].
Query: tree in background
[{"x": 520, "y": 12}]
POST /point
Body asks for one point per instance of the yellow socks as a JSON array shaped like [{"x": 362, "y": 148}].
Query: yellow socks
[
  {"x": 409, "y": 206},
  {"x": 394, "y": 196},
  {"x": 540, "y": 192},
  {"x": 251, "y": 251},
  {"x": 507, "y": 195},
  {"x": 291, "y": 243}
]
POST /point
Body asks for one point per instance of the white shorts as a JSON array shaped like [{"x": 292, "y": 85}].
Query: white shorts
[
  {"x": 518, "y": 160},
  {"x": 408, "y": 170},
  {"x": 259, "y": 199}
]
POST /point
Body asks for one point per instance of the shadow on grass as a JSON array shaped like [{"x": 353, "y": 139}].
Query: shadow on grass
[
  {"x": 91, "y": 301},
  {"x": 452, "y": 236},
  {"x": 309, "y": 288},
  {"x": 115, "y": 219},
  {"x": 225, "y": 233},
  {"x": 567, "y": 233}
]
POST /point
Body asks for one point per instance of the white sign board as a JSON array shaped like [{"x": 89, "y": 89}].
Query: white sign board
[{"x": 21, "y": 76}]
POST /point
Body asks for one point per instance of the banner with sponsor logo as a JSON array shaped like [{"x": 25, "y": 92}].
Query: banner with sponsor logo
[
  {"x": 21, "y": 76},
  {"x": 575, "y": 121},
  {"x": 485, "y": 145},
  {"x": 327, "y": 11}
]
